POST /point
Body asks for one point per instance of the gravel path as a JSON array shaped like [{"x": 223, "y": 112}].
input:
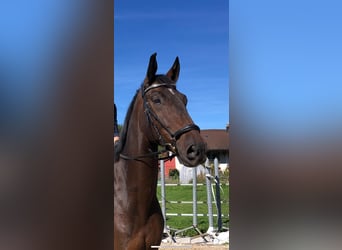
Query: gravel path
[{"x": 197, "y": 243}]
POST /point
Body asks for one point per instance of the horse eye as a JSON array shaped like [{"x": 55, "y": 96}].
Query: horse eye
[{"x": 156, "y": 100}]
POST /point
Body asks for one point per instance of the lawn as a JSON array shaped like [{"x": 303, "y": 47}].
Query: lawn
[{"x": 184, "y": 193}]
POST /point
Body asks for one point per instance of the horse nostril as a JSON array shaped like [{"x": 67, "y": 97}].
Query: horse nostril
[{"x": 193, "y": 152}]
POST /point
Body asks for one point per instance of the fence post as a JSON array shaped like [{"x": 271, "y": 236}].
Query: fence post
[
  {"x": 162, "y": 178},
  {"x": 209, "y": 198},
  {"x": 194, "y": 196},
  {"x": 218, "y": 196}
]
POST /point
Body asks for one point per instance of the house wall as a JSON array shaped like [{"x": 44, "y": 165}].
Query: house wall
[
  {"x": 185, "y": 173},
  {"x": 169, "y": 165}
]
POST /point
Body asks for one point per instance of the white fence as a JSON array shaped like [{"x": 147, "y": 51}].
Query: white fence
[{"x": 209, "y": 182}]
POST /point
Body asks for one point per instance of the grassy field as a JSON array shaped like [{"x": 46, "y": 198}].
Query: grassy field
[{"x": 184, "y": 193}]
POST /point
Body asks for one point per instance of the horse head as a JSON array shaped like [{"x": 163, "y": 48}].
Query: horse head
[{"x": 169, "y": 121}]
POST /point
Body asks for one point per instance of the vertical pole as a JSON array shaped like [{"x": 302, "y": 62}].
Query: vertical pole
[
  {"x": 218, "y": 196},
  {"x": 162, "y": 178},
  {"x": 194, "y": 197},
  {"x": 209, "y": 198}
]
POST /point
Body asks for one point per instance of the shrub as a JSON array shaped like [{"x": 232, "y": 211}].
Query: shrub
[{"x": 174, "y": 174}]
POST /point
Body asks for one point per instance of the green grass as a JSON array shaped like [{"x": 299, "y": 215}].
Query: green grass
[{"x": 184, "y": 193}]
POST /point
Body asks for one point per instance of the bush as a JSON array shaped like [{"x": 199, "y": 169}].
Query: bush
[
  {"x": 174, "y": 174},
  {"x": 201, "y": 178}
]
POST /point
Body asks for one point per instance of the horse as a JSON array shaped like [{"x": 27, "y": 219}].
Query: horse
[{"x": 156, "y": 118}]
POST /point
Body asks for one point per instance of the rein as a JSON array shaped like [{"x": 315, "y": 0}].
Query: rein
[
  {"x": 152, "y": 154},
  {"x": 172, "y": 150}
]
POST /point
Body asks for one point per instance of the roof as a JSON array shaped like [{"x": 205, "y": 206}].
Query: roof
[{"x": 216, "y": 139}]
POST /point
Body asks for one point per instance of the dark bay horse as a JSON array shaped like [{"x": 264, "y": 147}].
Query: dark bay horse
[{"x": 157, "y": 116}]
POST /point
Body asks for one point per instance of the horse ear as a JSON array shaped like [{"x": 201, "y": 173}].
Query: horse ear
[
  {"x": 152, "y": 69},
  {"x": 173, "y": 73}
]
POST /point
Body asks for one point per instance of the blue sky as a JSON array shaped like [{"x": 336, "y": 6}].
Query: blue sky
[
  {"x": 285, "y": 57},
  {"x": 196, "y": 31}
]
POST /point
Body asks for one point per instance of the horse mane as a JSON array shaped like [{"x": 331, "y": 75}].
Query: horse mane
[{"x": 118, "y": 147}]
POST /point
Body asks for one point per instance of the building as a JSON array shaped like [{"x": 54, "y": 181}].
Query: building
[
  {"x": 217, "y": 141},
  {"x": 217, "y": 145},
  {"x": 169, "y": 165}
]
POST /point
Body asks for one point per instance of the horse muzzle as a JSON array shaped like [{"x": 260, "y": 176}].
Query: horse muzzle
[{"x": 191, "y": 150}]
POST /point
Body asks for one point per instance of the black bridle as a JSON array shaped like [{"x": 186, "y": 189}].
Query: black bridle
[{"x": 170, "y": 148}]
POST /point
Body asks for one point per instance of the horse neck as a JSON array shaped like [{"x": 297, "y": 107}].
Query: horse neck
[
  {"x": 139, "y": 175},
  {"x": 138, "y": 132},
  {"x": 138, "y": 143}
]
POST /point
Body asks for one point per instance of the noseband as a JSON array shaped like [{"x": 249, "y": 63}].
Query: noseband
[{"x": 171, "y": 147}]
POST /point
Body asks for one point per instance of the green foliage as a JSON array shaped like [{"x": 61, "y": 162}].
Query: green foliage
[
  {"x": 224, "y": 176},
  {"x": 174, "y": 174},
  {"x": 200, "y": 178}
]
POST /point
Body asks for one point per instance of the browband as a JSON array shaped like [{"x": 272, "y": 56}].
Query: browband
[{"x": 156, "y": 85}]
